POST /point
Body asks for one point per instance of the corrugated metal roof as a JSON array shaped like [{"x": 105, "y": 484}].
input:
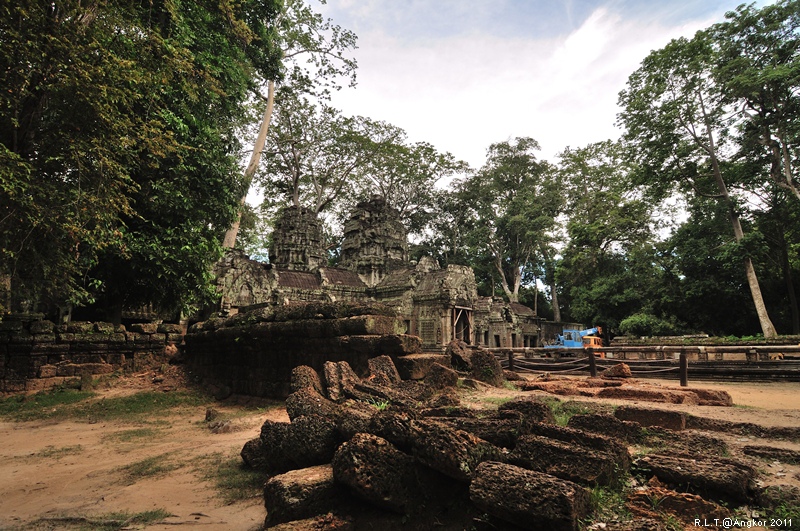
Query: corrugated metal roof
[{"x": 297, "y": 279}]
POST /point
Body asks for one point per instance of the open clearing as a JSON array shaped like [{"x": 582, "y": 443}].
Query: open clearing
[{"x": 165, "y": 468}]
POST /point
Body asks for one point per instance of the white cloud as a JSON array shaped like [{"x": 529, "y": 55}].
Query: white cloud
[{"x": 465, "y": 90}]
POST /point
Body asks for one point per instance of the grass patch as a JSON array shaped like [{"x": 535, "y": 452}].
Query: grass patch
[
  {"x": 497, "y": 401},
  {"x": 158, "y": 465},
  {"x": 75, "y": 404},
  {"x": 563, "y": 411},
  {"x": 51, "y": 452},
  {"x": 134, "y": 435},
  {"x": 609, "y": 504},
  {"x": 42, "y": 405},
  {"x": 232, "y": 479},
  {"x": 103, "y": 522}
]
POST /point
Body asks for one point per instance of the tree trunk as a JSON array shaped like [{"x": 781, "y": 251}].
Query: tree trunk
[
  {"x": 230, "y": 235},
  {"x": 767, "y": 328},
  {"x": 787, "y": 275},
  {"x": 554, "y": 299}
]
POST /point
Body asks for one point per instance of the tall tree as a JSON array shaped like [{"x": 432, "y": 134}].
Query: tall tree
[
  {"x": 300, "y": 33},
  {"x": 609, "y": 228},
  {"x": 512, "y": 204},
  {"x": 758, "y": 68},
  {"x": 119, "y": 127},
  {"x": 677, "y": 123}
]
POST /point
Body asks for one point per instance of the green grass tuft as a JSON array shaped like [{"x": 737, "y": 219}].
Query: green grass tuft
[
  {"x": 232, "y": 479},
  {"x": 157, "y": 465},
  {"x": 42, "y": 405}
]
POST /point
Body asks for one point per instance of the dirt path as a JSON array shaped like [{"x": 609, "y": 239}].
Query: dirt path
[
  {"x": 55, "y": 468},
  {"x": 63, "y": 467}
]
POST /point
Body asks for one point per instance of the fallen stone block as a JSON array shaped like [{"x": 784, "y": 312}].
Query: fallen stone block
[
  {"x": 486, "y": 368},
  {"x": 417, "y": 366},
  {"x": 529, "y": 499},
  {"x": 579, "y": 438},
  {"x": 327, "y": 522},
  {"x": 305, "y": 376},
  {"x": 310, "y": 441},
  {"x": 454, "y": 453},
  {"x": 620, "y": 370},
  {"x": 608, "y": 425},
  {"x": 501, "y": 429},
  {"x": 441, "y": 377},
  {"x": 533, "y": 409},
  {"x": 784, "y": 455},
  {"x": 382, "y": 371},
  {"x": 339, "y": 377},
  {"x": 300, "y": 494},
  {"x": 673, "y": 420},
  {"x": 570, "y": 462},
  {"x": 376, "y": 472},
  {"x": 721, "y": 479},
  {"x": 306, "y": 401}
]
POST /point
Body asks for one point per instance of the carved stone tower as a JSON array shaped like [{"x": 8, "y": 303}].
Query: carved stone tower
[
  {"x": 297, "y": 242},
  {"x": 374, "y": 241}
]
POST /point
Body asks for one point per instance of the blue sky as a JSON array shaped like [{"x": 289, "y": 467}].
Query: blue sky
[{"x": 462, "y": 74}]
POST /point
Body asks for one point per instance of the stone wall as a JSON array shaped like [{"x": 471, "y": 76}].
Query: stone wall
[
  {"x": 253, "y": 353},
  {"x": 36, "y": 355}
]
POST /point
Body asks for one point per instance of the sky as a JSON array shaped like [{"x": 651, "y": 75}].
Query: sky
[{"x": 463, "y": 74}]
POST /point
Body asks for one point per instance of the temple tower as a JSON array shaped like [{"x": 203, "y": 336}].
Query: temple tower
[
  {"x": 374, "y": 241},
  {"x": 297, "y": 241}
]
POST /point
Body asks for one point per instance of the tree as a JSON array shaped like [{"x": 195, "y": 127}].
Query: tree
[
  {"x": 299, "y": 32},
  {"x": 511, "y": 205},
  {"x": 119, "y": 130},
  {"x": 758, "y": 68},
  {"x": 313, "y": 153},
  {"x": 677, "y": 125},
  {"x": 605, "y": 267}
]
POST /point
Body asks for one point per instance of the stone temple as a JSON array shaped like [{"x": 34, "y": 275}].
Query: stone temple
[{"x": 437, "y": 304}]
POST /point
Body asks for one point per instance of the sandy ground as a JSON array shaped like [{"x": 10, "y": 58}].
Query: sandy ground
[{"x": 55, "y": 468}]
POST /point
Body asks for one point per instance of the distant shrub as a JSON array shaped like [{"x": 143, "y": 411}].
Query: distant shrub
[{"x": 647, "y": 324}]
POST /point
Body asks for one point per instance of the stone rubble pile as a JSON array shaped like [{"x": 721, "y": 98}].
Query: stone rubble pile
[{"x": 401, "y": 452}]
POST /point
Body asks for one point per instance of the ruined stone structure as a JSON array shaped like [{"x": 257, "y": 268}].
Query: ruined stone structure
[
  {"x": 437, "y": 304},
  {"x": 38, "y": 354}
]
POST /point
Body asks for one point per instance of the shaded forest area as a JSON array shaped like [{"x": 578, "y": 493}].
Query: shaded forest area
[{"x": 124, "y": 127}]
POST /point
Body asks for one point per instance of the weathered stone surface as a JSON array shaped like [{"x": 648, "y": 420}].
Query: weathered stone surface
[
  {"x": 356, "y": 417},
  {"x": 529, "y": 499},
  {"x": 273, "y": 455},
  {"x": 144, "y": 328},
  {"x": 784, "y": 455},
  {"x": 446, "y": 398},
  {"x": 499, "y": 430},
  {"x": 440, "y": 377},
  {"x": 684, "y": 506},
  {"x": 417, "y": 366},
  {"x": 326, "y": 522},
  {"x": 557, "y": 458},
  {"x": 720, "y": 479},
  {"x": 305, "y": 376},
  {"x": 778, "y": 495},
  {"x": 454, "y": 453},
  {"x": 623, "y": 430},
  {"x": 376, "y": 471},
  {"x": 673, "y": 420},
  {"x": 599, "y": 443},
  {"x": 300, "y": 494},
  {"x": 533, "y": 409},
  {"x": 306, "y": 402},
  {"x": 254, "y": 455},
  {"x": 459, "y": 354},
  {"x": 382, "y": 371},
  {"x": 620, "y": 370},
  {"x": 396, "y": 427},
  {"x": 486, "y": 368},
  {"x": 338, "y": 377},
  {"x": 42, "y": 327},
  {"x": 310, "y": 440},
  {"x": 687, "y": 443}
]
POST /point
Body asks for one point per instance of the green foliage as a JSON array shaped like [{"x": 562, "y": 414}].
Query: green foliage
[
  {"x": 118, "y": 146},
  {"x": 41, "y": 405},
  {"x": 645, "y": 324},
  {"x": 104, "y": 522}
]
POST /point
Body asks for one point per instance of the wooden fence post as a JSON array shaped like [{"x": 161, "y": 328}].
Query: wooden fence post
[
  {"x": 592, "y": 363},
  {"x": 684, "y": 369},
  {"x": 510, "y": 360}
]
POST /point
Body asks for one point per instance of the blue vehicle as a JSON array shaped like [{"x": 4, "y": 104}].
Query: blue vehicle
[{"x": 588, "y": 338}]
